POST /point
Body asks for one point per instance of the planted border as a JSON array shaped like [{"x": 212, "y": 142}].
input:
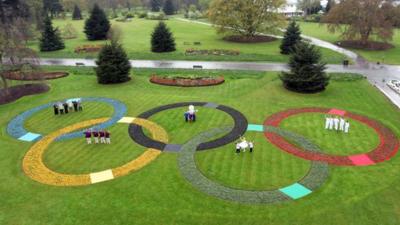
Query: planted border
[{"x": 187, "y": 82}]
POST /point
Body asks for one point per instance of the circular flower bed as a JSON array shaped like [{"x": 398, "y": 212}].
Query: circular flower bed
[
  {"x": 250, "y": 39},
  {"x": 218, "y": 52},
  {"x": 13, "y": 93},
  {"x": 34, "y": 75},
  {"x": 88, "y": 48},
  {"x": 187, "y": 81}
]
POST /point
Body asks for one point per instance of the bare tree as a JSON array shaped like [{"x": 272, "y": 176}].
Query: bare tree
[{"x": 361, "y": 19}]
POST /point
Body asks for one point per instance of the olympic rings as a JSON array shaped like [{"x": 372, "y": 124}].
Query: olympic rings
[
  {"x": 387, "y": 148},
  {"x": 16, "y": 128},
  {"x": 240, "y": 127},
  {"x": 316, "y": 176},
  {"x": 34, "y": 167}
]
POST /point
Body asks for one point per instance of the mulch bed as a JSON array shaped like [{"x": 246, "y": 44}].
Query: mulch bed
[
  {"x": 88, "y": 48},
  {"x": 251, "y": 39},
  {"x": 218, "y": 52},
  {"x": 34, "y": 75},
  {"x": 19, "y": 91},
  {"x": 388, "y": 147},
  {"x": 371, "y": 45},
  {"x": 187, "y": 82}
]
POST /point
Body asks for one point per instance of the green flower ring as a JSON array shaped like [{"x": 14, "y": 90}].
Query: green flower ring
[{"x": 314, "y": 179}]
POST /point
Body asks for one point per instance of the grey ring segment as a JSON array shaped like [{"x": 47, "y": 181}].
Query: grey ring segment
[
  {"x": 239, "y": 128},
  {"x": 315, "y": 178},
  {"x": 16, "y": 128}
]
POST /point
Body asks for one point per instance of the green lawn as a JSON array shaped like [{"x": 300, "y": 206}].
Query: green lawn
[
  {"x": 136, "y": 40},
  {"x": 158, "y": 194},
  {"x": 391, "y": 56}
]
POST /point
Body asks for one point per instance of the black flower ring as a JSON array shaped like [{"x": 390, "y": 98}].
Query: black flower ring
[{"x": 239, "y": 128}]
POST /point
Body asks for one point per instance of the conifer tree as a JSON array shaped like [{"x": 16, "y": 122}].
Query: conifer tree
[
  {"x": 50, "y": 40},
  {"x": 162, "y": 39},
  {"x": 76, "y": 15},
  {"x": 155, "y": 5},
  {"x": 307, "y": 72},
  {"x": 97, "y": 25},
  {"x": 169, "y": 8},
  {"x": 113, "y": 65},
  {"x": 291, "y": 38}
]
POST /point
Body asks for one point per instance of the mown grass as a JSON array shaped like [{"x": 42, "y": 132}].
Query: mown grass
[
  {"x": 158, "y": 194},
  {"x": 136, "y": 40},
  {"x": 391, "y": 56}
]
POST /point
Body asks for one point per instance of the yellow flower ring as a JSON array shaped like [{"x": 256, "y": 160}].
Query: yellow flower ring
[{"x": 34, "y": 167}]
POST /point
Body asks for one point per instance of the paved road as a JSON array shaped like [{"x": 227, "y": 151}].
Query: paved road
[{"x": 376, "y": 75}]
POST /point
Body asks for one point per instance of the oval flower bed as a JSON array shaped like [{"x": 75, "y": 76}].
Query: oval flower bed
[
  {"x": 187, "y": 81},
  {"x": 40, "y": 75},
  {"x": 88, "y": 48},
  {"x": 221, "y": 52}
]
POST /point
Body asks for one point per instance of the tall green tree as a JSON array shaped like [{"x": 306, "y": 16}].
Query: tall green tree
[
  {"x": 169, "y": 8},
  {"x": 291, "y": 38},
  {"x": 162, "y": 39},
  {"x": 52, "y": 7},
  {"x": 97, "y": 25},
  {"x": 51, "y": 39},
  {"x": 155, "y": 5},
  {"x": 246, "y": 17},
  {"x": 113, "y": 65},
  {"x": 76, "y": 14},
  {"x": 307, "y": 72}
]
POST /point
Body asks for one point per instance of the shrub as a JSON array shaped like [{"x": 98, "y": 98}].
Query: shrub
[
  {"x": 162, "y": 39},
  {"x": 113, "y": 65},
  {"x": 97, "y": 25},
  {"x": 50, "y": 40},
  {"x": 307, "y": 72}
]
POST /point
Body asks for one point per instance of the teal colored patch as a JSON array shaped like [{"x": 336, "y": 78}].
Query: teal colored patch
[
  {"x": 29, "y": 137},
  {"x": 295, "y": 191},
  {"x": 254, "y": 127}
]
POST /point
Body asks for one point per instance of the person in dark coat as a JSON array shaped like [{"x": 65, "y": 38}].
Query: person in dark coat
[
  {"x": 102, "y": 136},
  {"x": 88, "y": 136},
  {"x": 75, "y": 106},
  {"x": 108, "y": 139},
  {"x": 65, "y": 108},
  {"x": 96, "y": 137},
  {"x": 55, "y": 109}
]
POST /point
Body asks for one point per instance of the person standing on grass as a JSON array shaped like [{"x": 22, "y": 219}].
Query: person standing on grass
[
  {"x": 55, "y": 109},
  {"x": 60, "y": 107},
  {"x": 237, "y": 148},
  {"x": 251, "y": 146},
  {"x": 328, "y": 120},
  {"x": 341, "y": 124},
  {"x": 347, "y": 127},
  {"x": 65, "y": 107},
  {"x": 336, "y": 123},
  {"x": 102, "y": 137},
  {"x": 88, "y": 136},
  {"x": 96, "y": 137},
  {"x": 75, "y": 103},
  {"x": 108, "y": 139}
]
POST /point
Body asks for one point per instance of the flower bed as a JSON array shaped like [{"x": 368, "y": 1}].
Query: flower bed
[
  {"x": 370, "y": 45},
  {"x": 34, "y": 75},
  {"x": 187, "y": 81},
  {"x": 88, "y": 48},
  {"x": 395, "y": 85},
  {"x": 250, "y": 39},
  {"x": 220, "y": 52},
  {"x": 13, "y": 93}
]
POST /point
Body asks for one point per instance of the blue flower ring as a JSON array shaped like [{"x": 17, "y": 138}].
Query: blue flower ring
[{"x": 17, "y": 130}]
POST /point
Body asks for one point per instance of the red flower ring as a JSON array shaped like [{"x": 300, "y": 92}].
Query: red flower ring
[{"x": 388, "y": 147}]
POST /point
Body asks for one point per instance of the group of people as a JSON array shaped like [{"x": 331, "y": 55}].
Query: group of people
[
  {"x": 61, "y": 108},
  {"x": 242, "y": 145},
  {"x": 337, "y": 124},
  {"x": 103, "y": 137},
  {"x": 190, "y": 115}
]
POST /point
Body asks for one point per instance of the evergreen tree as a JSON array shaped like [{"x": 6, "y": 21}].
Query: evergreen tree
[
  {"x": 169, "y": 8},
  {"x": 52, "y": 7},
  {"x": 155, "y": 5},
  {"x": 76, "y": 15},
  {"x": 113, "y": 65},
  {"x": 291, "y": 38},
  {"x": 50, "y": 40},
  {"x": 307, "y": 72},
  {"x": 162, "y": 39},
  {"x": 97, "y": 25}
]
